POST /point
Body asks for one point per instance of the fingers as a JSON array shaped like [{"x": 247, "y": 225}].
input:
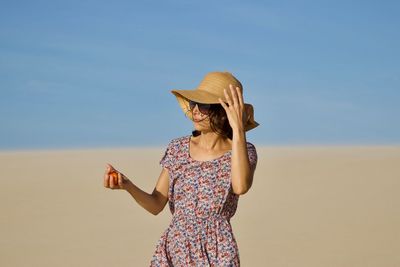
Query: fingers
[
  {"x": 228, "y": 98},
  {"x": 237, "y": 97},
  {"x": 107, "y": 169},
  {"x": 106, "y": 179},
  {"x": 234, "y": 96},
  {"x": 240, "y": 96},
  {"x": 113, "y": 179},
  {"x": 234, "y": 107},
  {"x": 112, "y": 183},
  {"x": 110, "y": 167},
  {"x": 107, "y": 175},
  {"x": 223, "y": 105},
  {"x": 110, "y": 179},
  {"x": 119, "y": 178}
]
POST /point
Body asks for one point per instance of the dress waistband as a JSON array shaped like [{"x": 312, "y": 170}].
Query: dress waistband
[{"x": 198, "y": 216}]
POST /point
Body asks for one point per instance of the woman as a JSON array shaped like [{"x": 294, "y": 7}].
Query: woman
[{"x": 202, "y": 177}]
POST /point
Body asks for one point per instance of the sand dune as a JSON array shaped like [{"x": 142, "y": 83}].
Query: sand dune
[{"x": 309, "y": 206}]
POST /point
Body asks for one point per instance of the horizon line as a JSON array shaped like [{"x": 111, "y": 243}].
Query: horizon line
[{"x": 149, "y": 147}]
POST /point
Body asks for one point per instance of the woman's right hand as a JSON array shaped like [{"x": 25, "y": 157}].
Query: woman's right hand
[{"x": 113, "y": 179}]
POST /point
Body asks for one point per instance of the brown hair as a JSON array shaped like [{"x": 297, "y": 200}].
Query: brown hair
[{"x": 219, "y": 122}]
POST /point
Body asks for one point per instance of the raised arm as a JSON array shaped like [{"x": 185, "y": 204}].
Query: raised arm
[{"x": 242, "y": 171}]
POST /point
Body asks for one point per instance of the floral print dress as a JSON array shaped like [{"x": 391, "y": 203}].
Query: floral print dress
[{"x": 202, "y": 202}]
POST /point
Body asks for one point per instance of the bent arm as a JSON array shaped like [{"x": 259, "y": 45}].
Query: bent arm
[
  {"x": 156, "y": 201},
  {"x": 242, "y": 171}
]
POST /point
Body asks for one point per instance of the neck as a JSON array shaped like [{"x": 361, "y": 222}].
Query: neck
[{"x": 210, "y": 140}]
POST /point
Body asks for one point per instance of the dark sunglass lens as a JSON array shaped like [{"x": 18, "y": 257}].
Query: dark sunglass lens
[
  {"x": 192, "y": 104},
  {"x": 204, "y": 108}
]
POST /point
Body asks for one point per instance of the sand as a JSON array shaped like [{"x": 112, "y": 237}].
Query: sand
[{"x": 309, "y": 206}]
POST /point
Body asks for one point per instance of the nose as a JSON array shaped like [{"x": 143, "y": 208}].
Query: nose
[
  {"x": 196, "y": 110},
  {"x": 197, "y": 115}
]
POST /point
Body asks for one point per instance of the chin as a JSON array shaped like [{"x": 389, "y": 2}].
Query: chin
[
  {"x": 201, "y": 125},
  {"x": 201, "y": 128},
  {"x": 197, "y": 126}
]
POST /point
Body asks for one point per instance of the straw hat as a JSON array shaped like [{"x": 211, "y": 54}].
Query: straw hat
[{"x": 210, "y": 89}]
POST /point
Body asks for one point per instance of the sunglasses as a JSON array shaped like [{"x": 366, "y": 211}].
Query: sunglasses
[{"x": 203, "y": 108}]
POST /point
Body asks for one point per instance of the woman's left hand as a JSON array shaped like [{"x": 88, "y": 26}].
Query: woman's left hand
[{"x": 236, "y": 110}]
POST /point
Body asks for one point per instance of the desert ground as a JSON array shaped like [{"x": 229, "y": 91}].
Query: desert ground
[{"x": 311, "y": 206}]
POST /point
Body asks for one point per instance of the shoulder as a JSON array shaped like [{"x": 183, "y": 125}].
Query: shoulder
[
  {"x": 251, "y": 146},
  {"x": 178, "y": 141},
  {"x": 252, "y": 152},
  {"x": 173, "y": 152}
]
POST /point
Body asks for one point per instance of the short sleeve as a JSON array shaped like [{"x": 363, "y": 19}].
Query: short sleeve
[
  {"x": 252, "y": 152},
  {"x": 167, "y": 160}
]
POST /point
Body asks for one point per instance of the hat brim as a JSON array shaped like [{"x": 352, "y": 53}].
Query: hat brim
[
  {"x": 198, "y": 96},
  {"x": 183, "y": 97}
]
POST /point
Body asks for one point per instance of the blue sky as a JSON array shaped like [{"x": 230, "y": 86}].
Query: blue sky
[{"x": 88, "y": 74}]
